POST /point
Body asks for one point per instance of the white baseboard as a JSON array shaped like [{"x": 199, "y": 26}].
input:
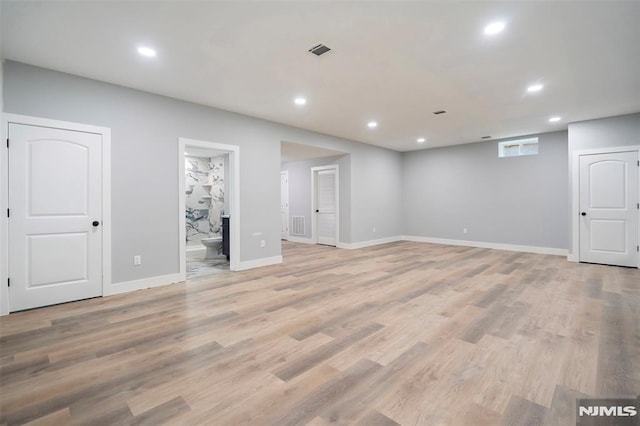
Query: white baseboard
[
  {"x": 127, "y": 286},
  {"x": 266, "y": 261},
  {"x": 495, "y": 246},
  {"x": 196, "y": 248},
  {"x": 369, "y": 243},
  {"x": 572, "y": 257},
  {"x": 302, "y": 240}
]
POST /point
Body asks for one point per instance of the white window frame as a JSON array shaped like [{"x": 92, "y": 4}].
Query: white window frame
[{"x": 519, "y": 143}]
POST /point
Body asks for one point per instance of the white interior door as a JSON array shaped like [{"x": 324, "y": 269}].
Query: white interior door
[
  {"x": 326, "y": 202},
  {"x": 55, "y": 202},
  {"x": 284, "y": 205},
  {"x": 609, "y": 208}
]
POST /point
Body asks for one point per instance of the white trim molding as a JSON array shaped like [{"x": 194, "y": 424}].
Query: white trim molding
[
  {"x": 286, "y": 230},
  {"x": 302, "y": 240},
  {"x": 369, "y": 243},
  {"x": 445, "y": 241},
  {"x": 105, "y": 134},
  {"x": 574, "y": 256},
  {"x": 234, "y": 196},
  {"x": 141, "y": 284},
  {"x": 480, "y": 244},
  {"x": 258, "y": 263}
]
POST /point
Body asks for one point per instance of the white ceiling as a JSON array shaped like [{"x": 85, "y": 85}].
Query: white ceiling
[{"x": 395, "y": 62}]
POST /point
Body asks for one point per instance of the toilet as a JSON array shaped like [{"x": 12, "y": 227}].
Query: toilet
[{"x": 213, "y": 246}]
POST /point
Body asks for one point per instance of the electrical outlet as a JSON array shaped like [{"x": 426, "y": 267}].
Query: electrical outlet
[
  {"x": 137, "y": 260},
  {"x": 464, "y": 230},
  {"x": 263, "y": 243}
]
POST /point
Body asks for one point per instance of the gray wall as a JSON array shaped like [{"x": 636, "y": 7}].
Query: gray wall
[
  {"x": 609, "y": 132},
  {"x": 144, "y": 132},
  {"x": 516, "y": 200},
  {"x": 376, "y": 196},
  {"x": 300, "y": 192},
  {"x": 605, "y": 132}
]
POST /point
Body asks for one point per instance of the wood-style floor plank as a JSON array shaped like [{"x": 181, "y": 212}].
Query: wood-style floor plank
[{"x": 397, "y": 334}]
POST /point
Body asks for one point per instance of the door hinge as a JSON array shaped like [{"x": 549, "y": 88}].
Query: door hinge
[
  {"x": 8, "y": 212},
  {"x": 8, "y": 282},
  {"x": 7, "y": 142}
]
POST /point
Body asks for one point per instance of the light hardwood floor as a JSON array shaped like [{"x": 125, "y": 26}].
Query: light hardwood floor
[{"x": 402, "y": 333}]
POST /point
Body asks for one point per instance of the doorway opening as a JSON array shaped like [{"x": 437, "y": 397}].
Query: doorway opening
[
  {"x": 304, "y": 167},
  {"x": 209, "y": 208}
]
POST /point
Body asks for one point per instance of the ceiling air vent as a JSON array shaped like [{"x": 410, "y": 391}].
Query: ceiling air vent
[
  {"x": 439, "y": 112},
  {"x": 319, "y": 49}
]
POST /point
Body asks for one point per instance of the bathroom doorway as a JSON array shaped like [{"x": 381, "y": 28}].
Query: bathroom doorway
[{"x": 209, "y": 208}]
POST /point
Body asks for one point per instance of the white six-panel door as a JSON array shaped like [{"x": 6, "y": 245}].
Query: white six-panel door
[
  {"x": 326, "y": 216},
  {"x": 55, "y": 230},
  {"x": 609, "y": 208}
]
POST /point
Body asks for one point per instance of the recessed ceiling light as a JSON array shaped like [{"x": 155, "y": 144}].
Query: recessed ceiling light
[
  {"x": 300, "y": 100},
  {"x": 421, "y": 140},
  {"x": 494, "y": 28},
  {"x": 372, "y": 124},
  {"x": 554, "y": 119},
  {"x": 146, "y": 51},
  {"x": 535, "y": 88}
]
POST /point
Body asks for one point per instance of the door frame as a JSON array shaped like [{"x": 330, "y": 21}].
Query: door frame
[
  {"x": 286, "y": 173},
  {"x": 234, "y": 202},
  {"x": 314, "y": 224},
  {"x": 105, "y": 133},
  {"x": 575, "y": 194}
]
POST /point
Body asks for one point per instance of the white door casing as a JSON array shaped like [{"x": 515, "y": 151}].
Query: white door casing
[
  {"x": 284, "y": 205},
  {"x": 325, "y": 205},
  {"x": 55, "y": 195},
  {"x": 232, "y": 179},
  {"x": 608, "y": 204}
]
